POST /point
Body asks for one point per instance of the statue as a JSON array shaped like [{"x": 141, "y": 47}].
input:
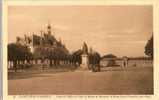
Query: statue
[
  {"x": 85, "y": 48},
  {"x": 84, "y": 57}
]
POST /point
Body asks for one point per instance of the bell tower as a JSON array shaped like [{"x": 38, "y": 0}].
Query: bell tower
[{"x": 49, "y": 29}]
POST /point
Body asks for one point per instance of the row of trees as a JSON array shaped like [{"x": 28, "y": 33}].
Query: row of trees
[
  {"x": 17, "y": 52},
  {"x": 54, "y": 55},
  {"x": 21, "y": 53}
]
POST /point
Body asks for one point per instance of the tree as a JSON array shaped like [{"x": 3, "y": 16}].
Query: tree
[
  {"x": 94, "y": 58},
  {"x": 18, "y": 52},
  {"x": 110, "y": 59},
  {"x": 149, "y": 48},
  {"x": 109, "y": 56},
  {"x": 76, "y": 56},
  {"x": 55, "y": 54},
  {"x": 39, "y": 53}
]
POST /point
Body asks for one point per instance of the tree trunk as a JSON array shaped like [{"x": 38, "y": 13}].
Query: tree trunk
[
  {"x": 51, "y": 64},
  {"x": 15, "y": 65},
  {"x": 36, "y": 61},
  {"x": 28, "y": 61}
]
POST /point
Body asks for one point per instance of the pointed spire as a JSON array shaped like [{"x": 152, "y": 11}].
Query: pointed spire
[
  {"x": 41, "y": 38},
  {"x": 49, "y": 28}
]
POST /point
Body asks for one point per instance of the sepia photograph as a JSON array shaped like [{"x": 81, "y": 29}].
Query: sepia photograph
[{"x": 80, "y": 50}]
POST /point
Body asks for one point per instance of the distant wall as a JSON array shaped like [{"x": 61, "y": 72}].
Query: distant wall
[
  {"x": 140, "y": 63},
  {"x": 131, "y": 62}
]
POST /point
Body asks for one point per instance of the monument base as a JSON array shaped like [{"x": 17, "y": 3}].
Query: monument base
[
  {"x": 83, "y": 67},
  {"x": 85, "y": 62}
]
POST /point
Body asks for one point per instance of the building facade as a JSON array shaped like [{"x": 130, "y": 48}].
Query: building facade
[{"x": 45, "y": 40}]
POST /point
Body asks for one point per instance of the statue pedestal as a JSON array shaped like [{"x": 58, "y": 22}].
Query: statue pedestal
[{"x": 85, "y": 62}]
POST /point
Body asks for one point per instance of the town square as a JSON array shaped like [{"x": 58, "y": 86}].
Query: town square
[{"x": 80, "y": 50}]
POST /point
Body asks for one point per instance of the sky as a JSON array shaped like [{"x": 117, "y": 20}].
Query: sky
[{"x": 119, "y": 30}]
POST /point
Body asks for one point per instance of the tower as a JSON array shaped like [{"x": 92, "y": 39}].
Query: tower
[{"x": 49, "y": 29}]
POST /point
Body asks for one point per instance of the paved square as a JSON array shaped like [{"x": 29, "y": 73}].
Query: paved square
[{"x": 110, "y": 81}]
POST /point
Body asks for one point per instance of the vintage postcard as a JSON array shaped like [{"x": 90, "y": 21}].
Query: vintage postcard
[{"x": 84, "y": 50}]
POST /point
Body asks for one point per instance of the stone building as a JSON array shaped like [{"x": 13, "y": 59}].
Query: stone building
[{"x": 45, "y": 40}]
